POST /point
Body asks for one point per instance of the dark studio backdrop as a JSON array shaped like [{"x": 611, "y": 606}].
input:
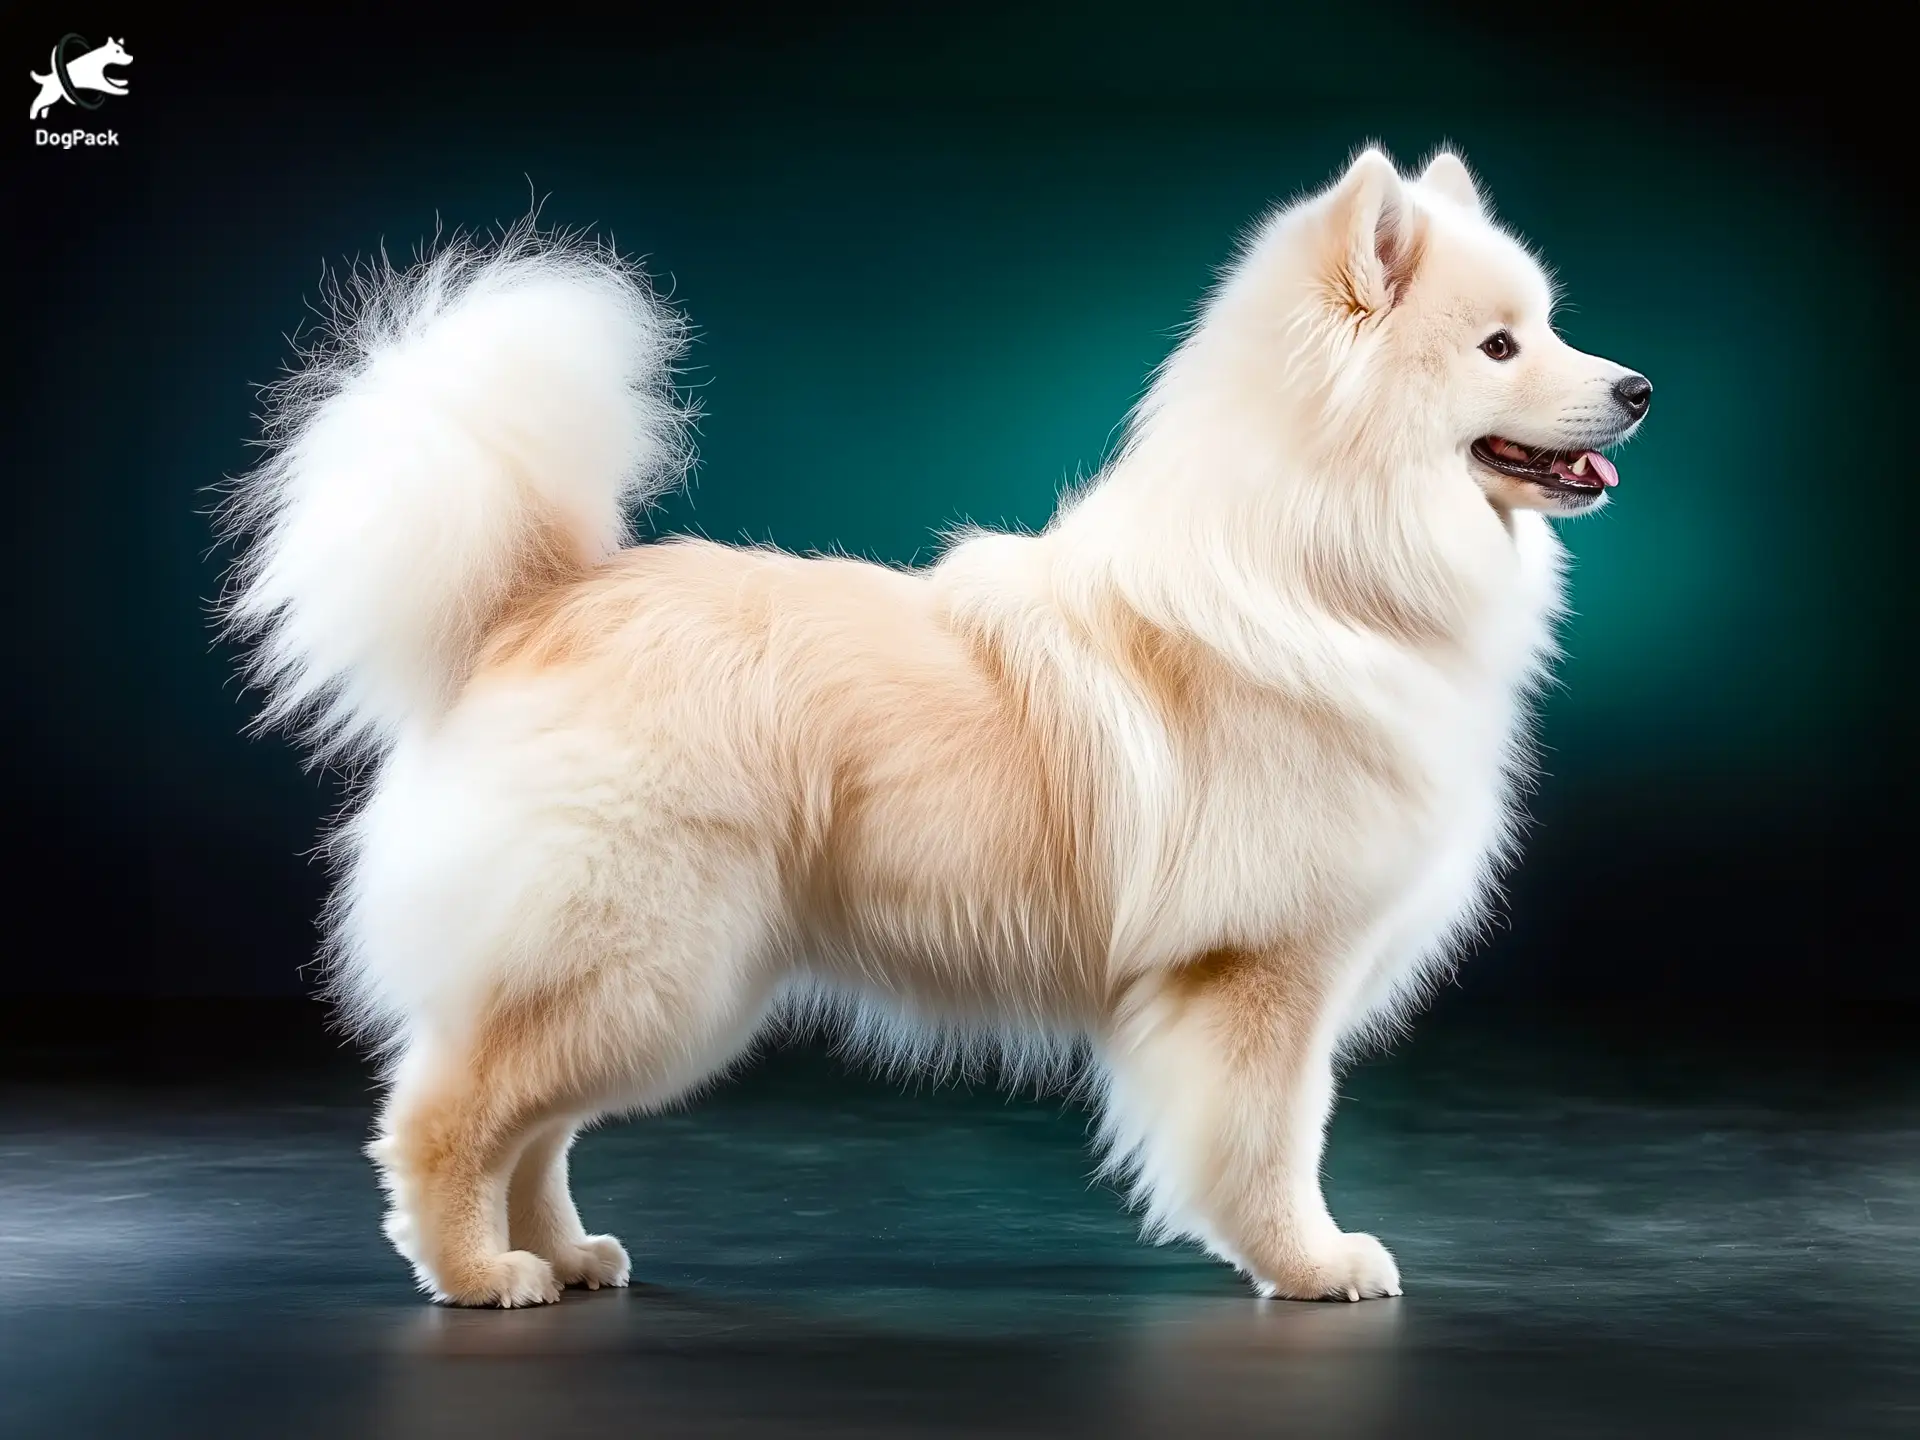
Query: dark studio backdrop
[{"x": 931, "y": 254}]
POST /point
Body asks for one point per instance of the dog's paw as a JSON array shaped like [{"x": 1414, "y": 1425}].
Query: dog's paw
[
  {"x": 592, "y": 1261},
  {"x": 509, "y": 1280},
  {"x": 1352, "y": 1266}
]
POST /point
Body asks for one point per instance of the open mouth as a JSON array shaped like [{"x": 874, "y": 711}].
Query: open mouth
[{"x": 1576, "y": 474}]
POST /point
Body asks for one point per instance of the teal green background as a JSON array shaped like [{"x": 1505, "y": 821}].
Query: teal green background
[{"x": 930, "y": 258}]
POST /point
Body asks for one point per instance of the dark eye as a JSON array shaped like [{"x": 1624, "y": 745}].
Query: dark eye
[{"x": 1500, "y": 345}]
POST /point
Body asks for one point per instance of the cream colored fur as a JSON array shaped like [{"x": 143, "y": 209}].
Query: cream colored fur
[{"x": 1193, "y": 789}]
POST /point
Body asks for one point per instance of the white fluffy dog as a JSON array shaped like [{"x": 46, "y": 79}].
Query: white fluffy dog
[{"x": 1196, "y": 786}]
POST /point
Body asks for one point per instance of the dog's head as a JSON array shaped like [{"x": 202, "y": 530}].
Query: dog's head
[{"x": 1427, "y": 330}]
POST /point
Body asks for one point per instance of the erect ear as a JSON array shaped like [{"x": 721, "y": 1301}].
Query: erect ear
[
  {"x": 1375, "y": 237},
  {"x": 1447, "y": 174}
]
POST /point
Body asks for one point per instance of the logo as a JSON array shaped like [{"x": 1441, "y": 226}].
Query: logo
[{"x": 79, "y": 75}]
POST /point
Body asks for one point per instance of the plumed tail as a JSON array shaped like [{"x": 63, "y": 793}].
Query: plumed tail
[{"x": 465, "y": 433}]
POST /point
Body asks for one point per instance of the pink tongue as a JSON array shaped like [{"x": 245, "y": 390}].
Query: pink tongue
[{"x": 1598, "y": 467}]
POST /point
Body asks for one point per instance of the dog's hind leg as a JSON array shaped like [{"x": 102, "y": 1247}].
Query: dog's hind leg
[
  {"x": 647, "y": 992},
  {"x": 472, "y": 1141},
  {"x": 453, "y": 1126},
  {"x": 1220, "y": 1086},
  {"x": 541, "y": 1217}
]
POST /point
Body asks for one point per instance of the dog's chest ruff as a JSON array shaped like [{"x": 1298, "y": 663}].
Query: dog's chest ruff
[{"x": 1381, "y": 819}]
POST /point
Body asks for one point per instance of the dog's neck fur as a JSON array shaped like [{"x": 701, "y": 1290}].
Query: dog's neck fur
[{"x": 1309, "y": 562}]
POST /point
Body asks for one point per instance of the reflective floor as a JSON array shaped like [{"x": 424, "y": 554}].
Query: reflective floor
[{"x": 1591, "y": 1246}]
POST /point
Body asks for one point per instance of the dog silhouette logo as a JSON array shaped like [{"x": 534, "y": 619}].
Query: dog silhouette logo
[{"x": 79, "y": 74}]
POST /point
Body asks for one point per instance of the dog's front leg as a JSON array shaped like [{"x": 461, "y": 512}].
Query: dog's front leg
[{"x": 1220, "y": 1086}]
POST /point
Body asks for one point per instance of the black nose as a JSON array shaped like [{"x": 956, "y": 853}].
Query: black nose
[{"x": 1635, "y": 394}]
